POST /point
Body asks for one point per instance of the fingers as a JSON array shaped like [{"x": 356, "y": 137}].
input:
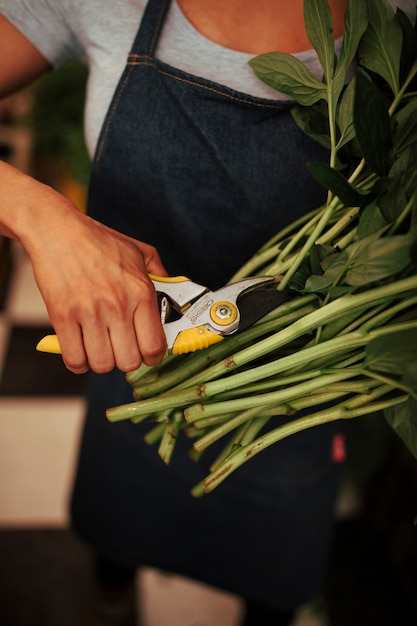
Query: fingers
[
  {"x": 72, "y": 346},
  {"x": 152, "y": 259},
  {"x": 149, "y": 331},
  {"x": 102, "y": 351},
  {"x": 139, "y": 339},
  {"x": 101, "y": 301},
  {"x": 113, "y": 336}
]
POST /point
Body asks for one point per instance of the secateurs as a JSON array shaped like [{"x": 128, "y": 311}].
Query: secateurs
[{"x": 194, "y": 317}]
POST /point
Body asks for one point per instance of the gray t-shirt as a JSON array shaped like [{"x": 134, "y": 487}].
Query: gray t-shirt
[{"x": 100, "y": 33}]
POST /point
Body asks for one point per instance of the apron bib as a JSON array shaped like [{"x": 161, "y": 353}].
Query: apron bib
[{"x": 205, "y": 174}]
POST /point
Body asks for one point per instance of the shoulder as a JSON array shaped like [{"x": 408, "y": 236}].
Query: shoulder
[
  {"x": 46, "y": 24},
  {"x": 63, "y": 30}
]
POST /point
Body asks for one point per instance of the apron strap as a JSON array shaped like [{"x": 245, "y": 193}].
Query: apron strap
[{"x": 150, "y": 28}]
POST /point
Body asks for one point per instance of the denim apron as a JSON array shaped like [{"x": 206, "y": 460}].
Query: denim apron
[{"x": 206, "y": 174}]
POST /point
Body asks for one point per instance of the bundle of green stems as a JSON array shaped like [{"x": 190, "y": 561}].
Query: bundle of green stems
[
  {"x": 302, "y": 355},
  {"x": 345, "y": 344}
]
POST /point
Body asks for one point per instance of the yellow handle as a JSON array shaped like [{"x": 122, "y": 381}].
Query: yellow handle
[
  {"x": 194, "y": 339},
  {"x": 188, "y": 341},
  {"x": 169, "y": 279},
  {"x": 50, "y": 344}
]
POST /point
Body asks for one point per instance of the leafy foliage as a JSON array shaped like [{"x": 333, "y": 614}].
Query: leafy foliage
[{"x": 376, "y": 114}]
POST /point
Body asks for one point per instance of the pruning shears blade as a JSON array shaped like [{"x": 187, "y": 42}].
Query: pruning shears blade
[{"x": 254, "y": 305}]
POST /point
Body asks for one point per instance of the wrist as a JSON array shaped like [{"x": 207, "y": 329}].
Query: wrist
[{"x": 29, "y": 209}]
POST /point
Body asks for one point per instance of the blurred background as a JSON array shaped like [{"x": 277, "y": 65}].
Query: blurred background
[{"x": 45, "y": 571}]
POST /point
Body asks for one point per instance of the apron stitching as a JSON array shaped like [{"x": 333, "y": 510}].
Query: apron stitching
[
  {"x": 111, "y": 115},
  {"x": 157, "y": 28},
  {"x": 129, "y": 69},
  {"x": 151, "y": 63}
]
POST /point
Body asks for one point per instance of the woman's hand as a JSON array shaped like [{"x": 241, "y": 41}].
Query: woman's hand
[
  {"x": 94, "y": 281},
  {"x": 100, "y": 300}
]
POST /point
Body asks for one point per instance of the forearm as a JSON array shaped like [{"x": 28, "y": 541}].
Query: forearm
[
  {"x": 94, "y": 280},
  {"x": 24, "y": 206}
]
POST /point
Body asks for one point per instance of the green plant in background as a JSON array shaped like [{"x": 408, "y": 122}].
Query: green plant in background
[
  {"x": 347, "y": 340},
  {"x": 57, "y": 119}
]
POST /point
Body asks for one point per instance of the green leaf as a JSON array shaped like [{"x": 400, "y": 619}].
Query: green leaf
[
  {"x": 405, "y": 127},
  {"x": 339, "y": 290},
  {"x": 333, "y": 266},
  {"x": 319, "y": 27},
  {"x": 287, "y": 74},
  {"x": 310, "y": 265},
  {"x": 371, "y": 220},
  {"x": 319, "y": 285},
  {"x": 393, "y": 200},
  {"x": 409, "y": 49},
  {"x": 395, "y": 355},
  {"x": 300, "y": 277},
  {"x": 404, "y": 167},
  {"x": 345, "y": 115},
  {"x": 318, "y": 256},
  {"x": 403, "y": 419},
  {"x": 372, "y": 125},
  {"x": 314, "y": 122},
  {"x": 380, "y": 46},
  {"x": 356, "y": 23},
  {"x": 335, "y": 182},
  {"x": 373, "y": 259}
]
